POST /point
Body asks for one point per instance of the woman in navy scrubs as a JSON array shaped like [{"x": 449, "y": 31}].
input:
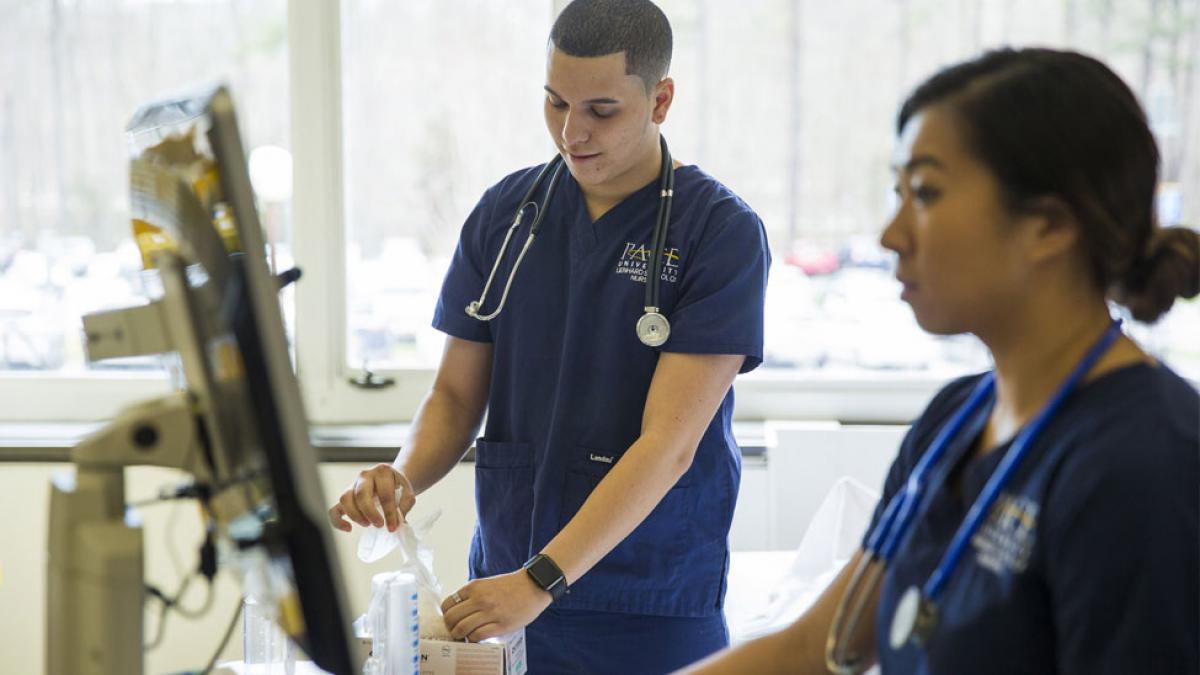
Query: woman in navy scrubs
[
  {"x": 1026, "y": 183},
  {"x": 607, "y": 468}
]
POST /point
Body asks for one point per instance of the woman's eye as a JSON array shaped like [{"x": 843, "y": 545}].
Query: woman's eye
[
  {"x": 603, "y": 114},
  {"x": 557, "y": 105},
  {"x": 925, "y": 194}
]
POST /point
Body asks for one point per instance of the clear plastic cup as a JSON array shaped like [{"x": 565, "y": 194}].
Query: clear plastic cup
[{"x": 266, "y": 649}]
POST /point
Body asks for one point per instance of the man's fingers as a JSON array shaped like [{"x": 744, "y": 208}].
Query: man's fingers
[
  {"x": 350, "y": 508},
  {"x": 407, "y": 501},
  {"x": 364, "y": 497},
  {"x": 386, "y": 489},
  {"x": 486, "y": 631},
  {"x": 468, "y": 624},
  {"x": 337, "y": 519},
  {"x": 455, "y": 607}
]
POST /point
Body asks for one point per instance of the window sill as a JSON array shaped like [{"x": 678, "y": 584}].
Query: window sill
[{"x": 37, "y": 442}]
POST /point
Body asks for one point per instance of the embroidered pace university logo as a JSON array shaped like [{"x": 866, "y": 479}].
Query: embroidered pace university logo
[
  {"x": 635, "y": 263},
  {"x": 1004, "y": 542}
]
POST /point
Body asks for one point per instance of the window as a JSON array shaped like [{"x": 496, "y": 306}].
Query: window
[
  {"x": 74, "y": 73},
  {"x": 793, "y": 105},
  {"x": 440, "y": 100},
  {"x": 790, "y": 103},
  {"x": 403, "y": 113}
]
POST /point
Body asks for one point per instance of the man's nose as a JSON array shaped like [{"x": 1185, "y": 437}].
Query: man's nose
[{"x": 575, "y": 130}]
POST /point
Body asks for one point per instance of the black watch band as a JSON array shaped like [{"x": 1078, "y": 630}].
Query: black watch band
[{"x": 547, "y": 575}]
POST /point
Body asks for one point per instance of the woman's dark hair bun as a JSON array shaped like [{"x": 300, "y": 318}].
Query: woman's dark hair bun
[{"x": 1169, "y": 269}]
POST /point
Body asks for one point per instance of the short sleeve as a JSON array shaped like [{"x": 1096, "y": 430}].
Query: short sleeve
[
  {"x": 720, "y": 306},
  {"x": 1123, "y": 555},
  {"x": 465, "y": 278}
]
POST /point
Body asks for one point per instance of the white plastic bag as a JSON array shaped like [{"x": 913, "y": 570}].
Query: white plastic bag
[
  {"x": 832, "y": 537},
  {"x": 416, "y": 559}
]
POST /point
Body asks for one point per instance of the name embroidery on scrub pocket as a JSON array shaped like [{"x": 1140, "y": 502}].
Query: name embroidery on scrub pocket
[
  {"x": 1005, "y": 541},
  {"x": 635, "y": 262}
]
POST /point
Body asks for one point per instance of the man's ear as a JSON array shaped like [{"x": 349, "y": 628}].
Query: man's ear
[
  {"x": 663, "y": 96},
  {"x": 1051, "y": 228}
]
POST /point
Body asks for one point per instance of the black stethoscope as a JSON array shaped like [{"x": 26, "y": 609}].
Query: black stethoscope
[
  {"x": 653, "y": 329},
  {"x": 916, "y": 614}
]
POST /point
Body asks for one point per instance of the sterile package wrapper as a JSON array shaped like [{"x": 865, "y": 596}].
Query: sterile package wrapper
[{"x": 498, "y": 656}]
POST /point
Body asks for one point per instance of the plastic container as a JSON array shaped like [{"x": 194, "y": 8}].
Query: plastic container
[{"x": 266, "y": 649}]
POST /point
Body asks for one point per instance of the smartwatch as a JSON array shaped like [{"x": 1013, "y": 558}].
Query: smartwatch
[{"x": 547, "y": 575}]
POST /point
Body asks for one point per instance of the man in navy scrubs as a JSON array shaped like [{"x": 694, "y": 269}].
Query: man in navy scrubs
[{"x": 607, "y": 468}]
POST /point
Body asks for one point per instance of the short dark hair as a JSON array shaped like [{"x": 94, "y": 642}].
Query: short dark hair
[
  {"x": 1060, "y": 123},
  {"x": 602, "y": 27}
]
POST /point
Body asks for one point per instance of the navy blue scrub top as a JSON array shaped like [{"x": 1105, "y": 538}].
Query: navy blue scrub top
[
  {"x": 1090, "y": 560},
  {"x": 570, "y": 378}
]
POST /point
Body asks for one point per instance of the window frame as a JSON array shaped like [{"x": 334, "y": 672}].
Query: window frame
[{"x": 320, "y": 247}]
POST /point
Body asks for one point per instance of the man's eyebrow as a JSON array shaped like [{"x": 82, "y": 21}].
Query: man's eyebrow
[{"x": 590, "y": 101}]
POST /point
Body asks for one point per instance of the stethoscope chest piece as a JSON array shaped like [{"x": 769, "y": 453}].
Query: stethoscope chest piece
[
  {"x": 914, "y": 619},
  {"x": 653, "y": 329}
]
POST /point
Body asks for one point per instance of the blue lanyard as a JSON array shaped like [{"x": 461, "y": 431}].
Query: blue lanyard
[{"x": 887, "y": 536}]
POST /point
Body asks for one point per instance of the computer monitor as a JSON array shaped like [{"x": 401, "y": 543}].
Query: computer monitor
[{"x": 267, "y": 491}]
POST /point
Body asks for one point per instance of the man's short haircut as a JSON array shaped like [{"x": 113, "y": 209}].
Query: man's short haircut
[{"x": 602, "y": 27}]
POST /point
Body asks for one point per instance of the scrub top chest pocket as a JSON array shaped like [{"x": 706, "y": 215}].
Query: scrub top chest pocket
[{"x": 657, "y": 545}]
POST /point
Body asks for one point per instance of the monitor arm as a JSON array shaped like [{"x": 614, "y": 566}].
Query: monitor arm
[{"x": 95, "y": 591}]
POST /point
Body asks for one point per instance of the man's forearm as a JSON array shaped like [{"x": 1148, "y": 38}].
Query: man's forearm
[
  {"x": 622, "y": 500},
  {"x": 441, "y": 433},
  {"x": 672, "y": 427}
]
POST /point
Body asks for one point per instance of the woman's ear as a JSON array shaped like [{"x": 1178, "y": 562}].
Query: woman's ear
[{"x": 1050, "y": 228}]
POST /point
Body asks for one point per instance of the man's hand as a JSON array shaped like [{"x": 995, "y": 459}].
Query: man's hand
[
  {"x": 487, "y": 608},
  {"x": 358, "y": 501}
]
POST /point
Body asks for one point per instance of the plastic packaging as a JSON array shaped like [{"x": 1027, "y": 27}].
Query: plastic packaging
[
  {"x": 266, "y": 649},
  {"x": 393, "y": 624},
  {"x": 832, "y": 537},
  {"x": 417, "y": 560}
]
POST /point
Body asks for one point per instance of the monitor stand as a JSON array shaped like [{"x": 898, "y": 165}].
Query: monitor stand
[{"x": 95, "y": 591}]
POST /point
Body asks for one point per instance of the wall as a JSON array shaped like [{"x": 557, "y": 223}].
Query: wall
[
  {"x": 172, "y": 533},
  {"x": 778, "y": 497}
]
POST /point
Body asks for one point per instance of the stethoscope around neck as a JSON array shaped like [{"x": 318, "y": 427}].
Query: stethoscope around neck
[
  {"x": 916, "y": 614},
  {"x": 652, "y": 328}
]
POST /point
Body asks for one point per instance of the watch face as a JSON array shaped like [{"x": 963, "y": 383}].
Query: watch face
[
  {"x": 543, "y": 573},
  {"x": 546, "y": 574}
]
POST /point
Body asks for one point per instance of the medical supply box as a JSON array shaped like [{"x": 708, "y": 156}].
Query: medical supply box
[{"x": 498, "y": 656}]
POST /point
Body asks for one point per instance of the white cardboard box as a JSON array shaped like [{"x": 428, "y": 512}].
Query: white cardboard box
[{"x": 498, "y": 656}]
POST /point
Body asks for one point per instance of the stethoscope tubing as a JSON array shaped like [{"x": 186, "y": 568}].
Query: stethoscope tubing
[
  {"x": 666, "y": 187},
  {"x": 654, "y": 271},
  {"x": 1010, "y": 463},
  {"x": 903, "y": 507},
  {"x": 889, "y": 534},
  {"x": 539, "y": 214}
]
